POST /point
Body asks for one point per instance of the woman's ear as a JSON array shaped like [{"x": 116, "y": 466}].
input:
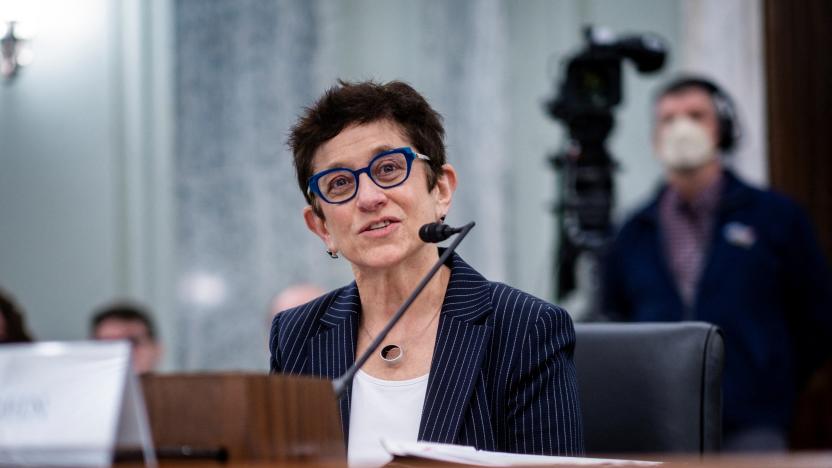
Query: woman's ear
[
  {"x": 444, "y": 190},
  {"x": 317, "y": 225}
]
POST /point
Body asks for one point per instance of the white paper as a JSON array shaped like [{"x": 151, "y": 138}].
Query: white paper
[{"x": 471, "y": 456}]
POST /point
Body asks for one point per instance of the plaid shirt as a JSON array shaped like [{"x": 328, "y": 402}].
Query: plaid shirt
[{"x": 686, "y": 230}]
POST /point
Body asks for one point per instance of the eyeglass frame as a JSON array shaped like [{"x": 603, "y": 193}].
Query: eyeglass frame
[{"x": 409, "y": 156}]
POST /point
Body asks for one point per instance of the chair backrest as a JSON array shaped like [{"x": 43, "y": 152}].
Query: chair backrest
[{"x": 650, "y": 387}]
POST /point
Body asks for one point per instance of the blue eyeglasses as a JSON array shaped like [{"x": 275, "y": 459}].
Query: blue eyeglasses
[{"x": 387, "y": 170}]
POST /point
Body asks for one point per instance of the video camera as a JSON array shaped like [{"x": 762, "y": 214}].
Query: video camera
[
  {"x": 585, "y": 103},
  {"x": 593, "y": 76}
]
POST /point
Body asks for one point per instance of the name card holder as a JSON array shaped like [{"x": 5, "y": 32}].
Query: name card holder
[{"x": 70, "y": 404}]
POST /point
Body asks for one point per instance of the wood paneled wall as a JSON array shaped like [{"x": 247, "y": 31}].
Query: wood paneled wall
[{"x": 798, "y": 43}]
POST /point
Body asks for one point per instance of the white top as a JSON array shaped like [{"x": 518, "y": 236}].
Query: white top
[{"x": 383, "y": 408}]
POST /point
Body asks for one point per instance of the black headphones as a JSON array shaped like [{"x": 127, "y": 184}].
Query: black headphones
[{"x": 729, "y": 128}]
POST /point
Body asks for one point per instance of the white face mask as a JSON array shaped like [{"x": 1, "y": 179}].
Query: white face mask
[{"x": 684, "y": 144}]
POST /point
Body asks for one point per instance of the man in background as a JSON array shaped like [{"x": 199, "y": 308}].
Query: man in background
[
  {"x": 710, "y": 247},
  {"x": 129, "y": 321}
]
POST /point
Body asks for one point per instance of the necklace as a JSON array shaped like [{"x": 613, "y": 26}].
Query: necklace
[{"x": 392, "y": 354}]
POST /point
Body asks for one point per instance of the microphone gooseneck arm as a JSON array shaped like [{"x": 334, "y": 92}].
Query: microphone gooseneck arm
[{"x": 340, "y": 384}]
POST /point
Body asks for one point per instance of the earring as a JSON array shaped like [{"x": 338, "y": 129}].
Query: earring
[
  {"x": 442, "y": 219},
  {"x": 332, "y": 254}
]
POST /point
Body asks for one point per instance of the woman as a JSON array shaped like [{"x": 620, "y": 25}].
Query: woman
[{"x": 472, "y": 362}]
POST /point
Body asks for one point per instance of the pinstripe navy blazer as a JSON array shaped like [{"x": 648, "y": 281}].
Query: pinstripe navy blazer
[{"x": 502, "y": 376}]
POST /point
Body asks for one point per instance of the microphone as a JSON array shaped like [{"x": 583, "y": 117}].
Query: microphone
[
  {"x": 437, "y": 232},
  {"x": 431, "y": 231}
]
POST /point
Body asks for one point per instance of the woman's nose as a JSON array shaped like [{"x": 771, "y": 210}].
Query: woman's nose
[{"x": 370, "y": 196}]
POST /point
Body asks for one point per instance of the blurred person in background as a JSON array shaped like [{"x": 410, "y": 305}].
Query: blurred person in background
[
  {"x": 294, "y": 296},
  {"x": 124, "y": 320},
  {"x": 12, "y": 324},
  {"x": 710, "y": 247}
]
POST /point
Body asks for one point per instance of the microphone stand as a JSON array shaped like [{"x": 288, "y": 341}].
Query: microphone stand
[{"x": 340, "y": 384}]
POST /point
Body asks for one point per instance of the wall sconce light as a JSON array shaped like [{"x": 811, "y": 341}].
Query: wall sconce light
[{"x": 14, "y": 50}]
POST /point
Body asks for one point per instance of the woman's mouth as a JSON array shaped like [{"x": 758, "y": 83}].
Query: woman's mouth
[
  {"x": 380, "y": 228},
  {"x": 379, "y": 225}
]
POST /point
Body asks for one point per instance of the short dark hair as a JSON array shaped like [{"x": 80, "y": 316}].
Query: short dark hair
[
  {"x": 365, "y": 102},
  {"x": 127, "y": 311},
  {"x": 15, "y": 323}
]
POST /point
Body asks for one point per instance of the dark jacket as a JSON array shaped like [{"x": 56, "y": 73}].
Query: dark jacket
[
  {"x": 765, "y": 282},
  {"x": 502, "y": 376}
]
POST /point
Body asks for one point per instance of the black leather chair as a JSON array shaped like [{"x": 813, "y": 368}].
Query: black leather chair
[{"x": 650, "y": 387}]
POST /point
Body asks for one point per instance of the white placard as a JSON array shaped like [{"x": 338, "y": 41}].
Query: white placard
[{"x": 69, "y": 404}]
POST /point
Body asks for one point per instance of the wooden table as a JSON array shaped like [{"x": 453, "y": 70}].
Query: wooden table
[{"x": 786, "y": 460}]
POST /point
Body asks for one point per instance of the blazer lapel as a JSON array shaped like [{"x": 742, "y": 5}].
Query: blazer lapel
[
  {"x": 457, "y": 359},
  {"x": 332, "y": 351}
]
